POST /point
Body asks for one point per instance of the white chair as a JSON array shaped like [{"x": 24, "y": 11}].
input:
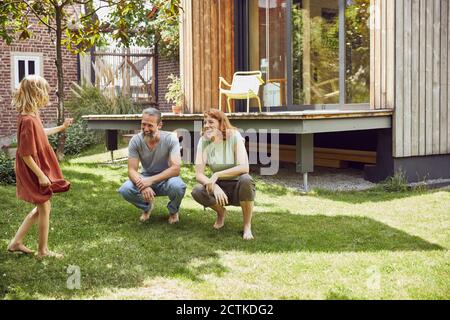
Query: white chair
[{"x": 245, "y": 85}]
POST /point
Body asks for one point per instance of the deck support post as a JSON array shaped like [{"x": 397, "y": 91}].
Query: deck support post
[{"x": 305, "y": 156}]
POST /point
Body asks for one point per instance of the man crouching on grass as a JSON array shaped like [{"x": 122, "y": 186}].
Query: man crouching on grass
[{"x": 159, "y": 153}]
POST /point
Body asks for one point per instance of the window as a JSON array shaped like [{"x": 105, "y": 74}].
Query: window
[
  {"x": 267, "y": 22},
  {"x": 311, "y": 52},
  {"x": 23, "y": 65},
  {"x": 315, "y": 52},
  {"x": 357, "y": 51}
]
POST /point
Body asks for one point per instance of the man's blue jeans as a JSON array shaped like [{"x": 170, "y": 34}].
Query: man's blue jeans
[{"x": 174, "y": 188}]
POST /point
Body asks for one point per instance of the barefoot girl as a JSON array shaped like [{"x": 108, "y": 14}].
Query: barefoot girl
[{"x": 38, "y": 174}]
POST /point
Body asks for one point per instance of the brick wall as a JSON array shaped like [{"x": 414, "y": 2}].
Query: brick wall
[
  {"x": 165, "y": 68},
  {"x": 41, "y": 42}
]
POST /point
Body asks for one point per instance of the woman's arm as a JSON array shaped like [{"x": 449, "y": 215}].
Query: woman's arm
[
  {"x": 200, "y": 165},
  {"x": 67, "y": 123},
  {"x": 209, "y": 183},
  {"x": 43, "y": 179}
]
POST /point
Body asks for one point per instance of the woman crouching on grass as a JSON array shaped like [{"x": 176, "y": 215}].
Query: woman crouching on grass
[
  {"x": 38, "y": 174},
  {"x": 222, "y": 148}
]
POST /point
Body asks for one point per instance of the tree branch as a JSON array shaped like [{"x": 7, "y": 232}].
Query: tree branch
[
  {"x": 37, "y": 16},
  {"x": 93, "y": 12},
  {"x": 11, "y": 2}
]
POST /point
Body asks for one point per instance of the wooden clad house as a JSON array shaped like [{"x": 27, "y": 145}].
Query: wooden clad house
[
  {"x": 337, "y": 55},
  {"x": 360, "y": 83}
]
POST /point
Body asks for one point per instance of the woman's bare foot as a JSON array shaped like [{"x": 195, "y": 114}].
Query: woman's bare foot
[
  {"x": 19, "y": 247},
  {"x": 173, "y": 218},
  {"x": 50, "y": 254},
  {"x": 247, "y": 234},
  {"x": 144, "y": 216},
  {"x": 220, "y": 221}
]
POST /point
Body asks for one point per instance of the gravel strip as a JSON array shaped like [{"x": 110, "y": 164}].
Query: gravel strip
[
  {"x": 322, "y": 178},
  {"x": 348, "y": 179}
]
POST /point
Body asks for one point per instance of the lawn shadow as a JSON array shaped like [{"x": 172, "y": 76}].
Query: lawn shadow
[
  {"x": 323, "y": 233},
  {"x": 373, "y": 195},
  {"x": 100, "y": 233}
]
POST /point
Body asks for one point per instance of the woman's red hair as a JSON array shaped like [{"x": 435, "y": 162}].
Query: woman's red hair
[{"x": 224, "y": 124}]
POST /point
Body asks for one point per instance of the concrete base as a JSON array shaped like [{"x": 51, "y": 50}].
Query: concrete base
[
  {"x": 415, "y": 168},
  {"x": 424, "y": 168}
]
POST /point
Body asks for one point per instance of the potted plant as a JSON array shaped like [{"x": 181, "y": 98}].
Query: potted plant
[{"x": 175, "y": 94}]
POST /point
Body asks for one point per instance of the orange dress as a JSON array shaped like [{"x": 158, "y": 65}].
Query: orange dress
[{"x": 32, "y": 141}]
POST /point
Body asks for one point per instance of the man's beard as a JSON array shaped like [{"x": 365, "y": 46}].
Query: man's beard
[{"x": 148, "y": 137}]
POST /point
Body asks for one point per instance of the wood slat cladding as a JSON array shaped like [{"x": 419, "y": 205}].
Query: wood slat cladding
[
  {"x": 409, "y": 66},
  {"x": 207, "y": 51},
  {"x": 421, "y": 118},
  {"x": 382, "y": 53}
]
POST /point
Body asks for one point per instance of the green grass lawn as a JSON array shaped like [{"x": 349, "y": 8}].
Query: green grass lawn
[{"x": 324, "y": 245}]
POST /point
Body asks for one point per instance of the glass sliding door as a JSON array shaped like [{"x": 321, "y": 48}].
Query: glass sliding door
[
  {"x": 357, "y": 59},
  {"x": 307, "y": 51},
  {"x": 315, "y": 52},
  {"x": 267, "y": 48}
]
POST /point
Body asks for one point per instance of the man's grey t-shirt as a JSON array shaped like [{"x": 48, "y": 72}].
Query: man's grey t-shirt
[{"x": 157, "y": 160}]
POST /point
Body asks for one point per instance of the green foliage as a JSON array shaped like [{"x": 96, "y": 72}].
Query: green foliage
[
  {"x": 174, "y": 91},
  {"x": 152, "y": 24},
  {"x": 13, "y": 143},
  {"x": 78, "y": 137},
  {"x": 7, "y": 174},
  {"x": 87, "y": 99},
  {"x": 396, "y": 183},
  {"x": 129, "y": 22}
]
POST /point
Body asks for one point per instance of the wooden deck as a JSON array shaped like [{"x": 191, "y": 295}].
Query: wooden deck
[
  {"x": 304, "y": 124},
  {"x": 307, "y": 114},
  {"x": 295, "y": 122}
]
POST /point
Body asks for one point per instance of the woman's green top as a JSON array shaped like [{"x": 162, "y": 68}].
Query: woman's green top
[{"x": 221, "y": 156}]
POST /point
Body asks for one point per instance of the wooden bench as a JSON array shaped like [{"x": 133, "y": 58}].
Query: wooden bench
[
  {"x": 326, "y": 157},
  {"x": 127, "y": 137}
]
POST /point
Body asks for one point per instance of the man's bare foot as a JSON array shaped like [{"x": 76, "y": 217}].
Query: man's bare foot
[
  {"x": 50, "y": 254},
  {"x": 173, "y": 218},
  {"x": 247, "y": 235},
  {"x": 19, "y": 247},
  {"x": 220, "y": 221},
  {"x": 144, "y": 216}
]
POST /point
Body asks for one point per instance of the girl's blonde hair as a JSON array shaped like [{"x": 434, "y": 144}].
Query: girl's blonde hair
[{"x": 31, "y": 95}]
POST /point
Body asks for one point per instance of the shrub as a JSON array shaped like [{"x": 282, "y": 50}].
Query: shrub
[
  {"x": 78, "y": 137},
  {"x": 13, "y": 143},
  {"x": 174, "y": 91},
  {"x": 396, "y": 183},
  {"x": 7, "y": 173},
  {"x": 87, "y": 99}
]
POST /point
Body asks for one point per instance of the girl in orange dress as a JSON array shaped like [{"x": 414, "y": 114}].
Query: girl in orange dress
[{"x": 38, "y": 174}]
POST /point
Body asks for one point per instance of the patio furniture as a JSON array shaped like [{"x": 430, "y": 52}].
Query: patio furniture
[
  {"x": 275, "y": 93},
  {"x": 245, "y": 85},
  {"x": 326, "y": 91}
]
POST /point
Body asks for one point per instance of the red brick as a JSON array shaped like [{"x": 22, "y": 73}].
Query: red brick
[{"x": 40, "y": 42}]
